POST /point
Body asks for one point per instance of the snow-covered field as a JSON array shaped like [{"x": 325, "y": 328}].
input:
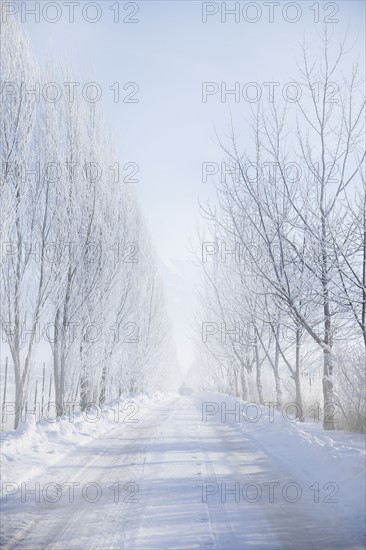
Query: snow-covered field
[{"x": 182, "y": 472}]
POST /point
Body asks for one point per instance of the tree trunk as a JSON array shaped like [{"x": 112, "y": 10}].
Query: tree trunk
[
  {"x": 56, "y": 365},
  {"x": 258, "y": 373},
  {"x": 329, "y": 407},
  {"x": 244, "y": 384},
  {"x": 298, "y": 396},
  {"x": 275, "y": 367},
  {"x": 18, "y": 397},
  {"x": 236, "y": 386},
  {"x": 102, "y": 393}
]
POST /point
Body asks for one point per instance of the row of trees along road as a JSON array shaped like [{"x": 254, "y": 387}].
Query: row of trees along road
[
  {"x": 75, "y": 252},
  {"x": 293, "y": 203}
]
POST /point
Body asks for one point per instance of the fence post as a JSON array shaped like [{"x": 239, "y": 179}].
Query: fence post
[
  {"x": 43, "y": 382},
  {"x": 35, "y": 400},
  {"x": 49, "y": 394},
  {"x": 5, "y": 386}
]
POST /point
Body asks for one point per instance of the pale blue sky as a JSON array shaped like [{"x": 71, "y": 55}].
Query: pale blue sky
[{"x": 170, "y": 132}]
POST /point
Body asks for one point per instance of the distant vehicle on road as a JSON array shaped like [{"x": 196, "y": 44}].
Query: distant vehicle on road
[{"x": 185, "y": 390}]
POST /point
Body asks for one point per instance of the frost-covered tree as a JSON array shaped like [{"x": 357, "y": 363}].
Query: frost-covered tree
[
  {"x": 78, "y": 270},
  {"x": 302, "y": 207}
]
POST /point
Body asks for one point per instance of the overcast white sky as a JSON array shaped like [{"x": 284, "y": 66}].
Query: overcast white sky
[{"x": 170, "y": 132}]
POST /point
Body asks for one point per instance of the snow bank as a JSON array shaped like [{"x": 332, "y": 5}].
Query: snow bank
[
  {"x": 309, "y": 452},
  {"x": 33, "y": 446}
]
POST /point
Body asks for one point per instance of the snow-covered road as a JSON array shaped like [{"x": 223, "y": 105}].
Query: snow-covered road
[{"x": 162, "y": 484}]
